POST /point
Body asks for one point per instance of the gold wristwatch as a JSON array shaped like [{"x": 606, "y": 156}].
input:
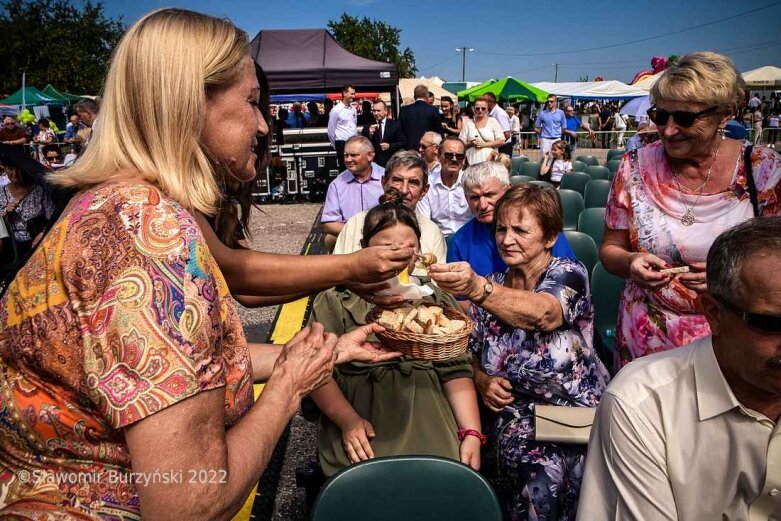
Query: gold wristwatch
[{"x": 488, "y": 288}]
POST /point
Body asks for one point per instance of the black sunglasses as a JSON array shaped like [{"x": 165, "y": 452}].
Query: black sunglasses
[
  {"x": 683, "y": 118},
  {"x": 765, "y": 323},
  {"x": 481, "y": 109},
  {"x": 453, "y": 156}
]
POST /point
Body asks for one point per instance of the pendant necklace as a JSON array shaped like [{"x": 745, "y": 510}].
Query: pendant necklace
[{"x": 688, "y": 217}]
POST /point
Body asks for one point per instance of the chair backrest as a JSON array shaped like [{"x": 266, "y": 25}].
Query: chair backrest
[
  {"x": 615, "y": 153},
  {"x": 599, "y": 172},
  {"x": 408, "y": 488},
  {"x": 516, "y": 180},
  {"x": 531, "y": 169},
  {"x": 571, "y": 205},
  {"x": 596, "y": 193},
  {"x": 575, "y": 181},
  {"x": 605, "y": 294},
  {"x": 544, "y": 184},
  {"x": 589, "y": 160},
  {"x": 584, "y": 247},
  {"x": 613, "y": 165},
  {"x": 592, "y": 222},
  {"x": 516, "y": 165},
  {"x": 579, "y": 166}
]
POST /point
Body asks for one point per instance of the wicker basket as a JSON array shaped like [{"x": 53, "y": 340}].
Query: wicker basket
[{"x": 428, "y": 347}]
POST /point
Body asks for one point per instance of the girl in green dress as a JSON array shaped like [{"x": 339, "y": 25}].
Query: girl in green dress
[{"x": 403, "y": 406}]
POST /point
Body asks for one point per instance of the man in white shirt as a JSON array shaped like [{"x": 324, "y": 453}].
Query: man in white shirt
[
  {"x": 445, "y": 202},
  {"x": 754, "y": 102},
  {"x": 498, "y": 113},
  {"x": 406, "y": 172},
  {"x": 342, "y": 123},
  {"x": 693, "y": 433}
]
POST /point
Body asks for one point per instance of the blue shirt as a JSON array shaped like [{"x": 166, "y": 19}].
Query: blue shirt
[
  {"x": 294, "y": 122},
  {"x": 71, "y": 130},
  {"x": 551, "y": 123},
  {"x": 474, "y": 243},
  {"x": 573, "y": 123}
]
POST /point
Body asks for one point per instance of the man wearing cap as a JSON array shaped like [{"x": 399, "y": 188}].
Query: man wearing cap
[{"x": 693, "y": 433}]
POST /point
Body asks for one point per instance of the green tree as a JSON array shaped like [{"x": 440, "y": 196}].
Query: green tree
[
  {"x": 375, "y": 40},
  {"x": 55, "y": 41}
]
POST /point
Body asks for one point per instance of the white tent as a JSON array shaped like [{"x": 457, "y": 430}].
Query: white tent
[
  {"x": 592, "y": 89},
  {"x": 407, "y": 86},
  {"x": 763, "y": 77}
]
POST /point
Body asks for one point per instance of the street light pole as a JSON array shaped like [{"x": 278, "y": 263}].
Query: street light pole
[
  {"x": 555, "y": 72},
  {"x": 463, "y": 51}
]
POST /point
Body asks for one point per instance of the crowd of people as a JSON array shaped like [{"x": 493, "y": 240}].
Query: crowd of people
[{"x": 122, "y": 354}]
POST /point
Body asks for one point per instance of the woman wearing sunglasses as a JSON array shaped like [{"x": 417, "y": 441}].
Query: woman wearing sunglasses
[
  {"x": 672, "y": 198},
  {"x": 482, "y": 136}
]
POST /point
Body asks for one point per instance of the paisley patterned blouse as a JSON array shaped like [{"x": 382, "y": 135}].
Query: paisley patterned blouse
[
  {"x": 645, "y": 201},
  {"x": 120, "y": 313}
]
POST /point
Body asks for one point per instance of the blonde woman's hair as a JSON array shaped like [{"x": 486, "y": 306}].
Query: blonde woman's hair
[
  {"x": 706, "y": 77},
  {"x": 154, "y": 105}
]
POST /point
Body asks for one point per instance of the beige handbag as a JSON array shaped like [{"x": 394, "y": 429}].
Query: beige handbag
[{"x": 562, "y": 424}]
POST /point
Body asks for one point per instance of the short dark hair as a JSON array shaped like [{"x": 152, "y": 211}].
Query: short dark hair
[
  {"x": 52, "y": 147},
  {"x": 347, "y": 88},
  {"x": 452, "y": 139},
  {"x": 430, "y": 95},
  {"x": 86, "y": 105},
  {"x": 388, "y": 214},
  {"x": 543, "y": 203},
  {"x": 43, "y": 122},
  {"x": 446, "y": 98},
  {"x": 490, "y": 96}
]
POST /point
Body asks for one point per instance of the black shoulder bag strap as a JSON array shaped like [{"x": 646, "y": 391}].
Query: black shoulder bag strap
[{"x": 752, "y": 187}]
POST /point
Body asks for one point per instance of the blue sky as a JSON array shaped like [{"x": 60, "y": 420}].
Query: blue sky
[{"x": 556, "y": 33}]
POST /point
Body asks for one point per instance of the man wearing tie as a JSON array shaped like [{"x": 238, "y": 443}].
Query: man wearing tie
[{"x": 386, "y": 134}]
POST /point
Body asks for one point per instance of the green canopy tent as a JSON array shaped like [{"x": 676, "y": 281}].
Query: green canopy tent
[
  {"x": 65, "y": 97},
  {"x": 32, "y": 96},
  {"x": 506, "y": 89}
]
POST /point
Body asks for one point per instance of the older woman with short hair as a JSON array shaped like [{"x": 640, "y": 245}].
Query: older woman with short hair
[
  {"x": 532, "y": 344},
  {"x": 670, "y": 199}
]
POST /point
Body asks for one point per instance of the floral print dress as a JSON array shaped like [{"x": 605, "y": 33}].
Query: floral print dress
[
  {"x": 120, "y": 313},
  {"x": 557, "y": 367},
  {"x": 645, "y": 201}
]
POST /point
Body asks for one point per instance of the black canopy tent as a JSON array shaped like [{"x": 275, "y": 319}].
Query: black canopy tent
[
  {"x": 305, "y": 61},
  {"x": 311, "y": 61}
]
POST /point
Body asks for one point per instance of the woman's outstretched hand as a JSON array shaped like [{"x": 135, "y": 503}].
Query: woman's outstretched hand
[{"x": 354, "y": 346}]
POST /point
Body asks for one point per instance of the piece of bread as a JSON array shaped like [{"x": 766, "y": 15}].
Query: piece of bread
[
  {"x": 455, "y": 326},
  {"x": 410, "y": 316},
  {"x": 413, "y": 327}
]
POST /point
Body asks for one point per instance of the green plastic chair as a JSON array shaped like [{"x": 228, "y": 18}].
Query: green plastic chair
[
  {"x": 599, "y": 172},
  {"x": 579, "y": 166},
  {"x": 584, "y": 247},
  {"x": 531, "y": 169},
  {"x": 516, "y": 165},
  {"x": 591, "y": 221},
  {"x": 408, "y": 488},
  {"x": 571, "y": 205},
  {"x": 596, "y": 193},
  {"x": 605, "y": 294},
  {"x": 613, "y": 165},
  {"x": 544, "y": 184},
  {"x": 516, "y": 180},
  {"x": 614, "y": 153},
  {"x": 575, "y": 181},
  {"x": 589, "y": 160}
]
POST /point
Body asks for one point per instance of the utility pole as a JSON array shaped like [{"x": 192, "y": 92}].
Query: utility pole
[
  {"x": 555, "y": 72},
  {"x": 463, "y": 51}
]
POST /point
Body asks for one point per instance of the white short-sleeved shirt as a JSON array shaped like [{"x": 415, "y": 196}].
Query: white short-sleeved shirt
[
  {"x": 445, "y": 205},
  {"x": 672, "y": 442}
]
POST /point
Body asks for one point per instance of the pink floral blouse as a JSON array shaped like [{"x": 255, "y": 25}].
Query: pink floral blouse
[{"x": 645, "y": 200}]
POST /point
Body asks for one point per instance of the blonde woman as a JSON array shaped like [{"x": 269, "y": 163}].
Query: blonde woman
[
  {"x": 120, "y": 349},
  {"x": 482, "y": 136}
]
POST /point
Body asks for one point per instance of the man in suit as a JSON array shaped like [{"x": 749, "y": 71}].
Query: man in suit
[
  {"x": 386, "y": 134},
  {"x": 418, "y": 118}
]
